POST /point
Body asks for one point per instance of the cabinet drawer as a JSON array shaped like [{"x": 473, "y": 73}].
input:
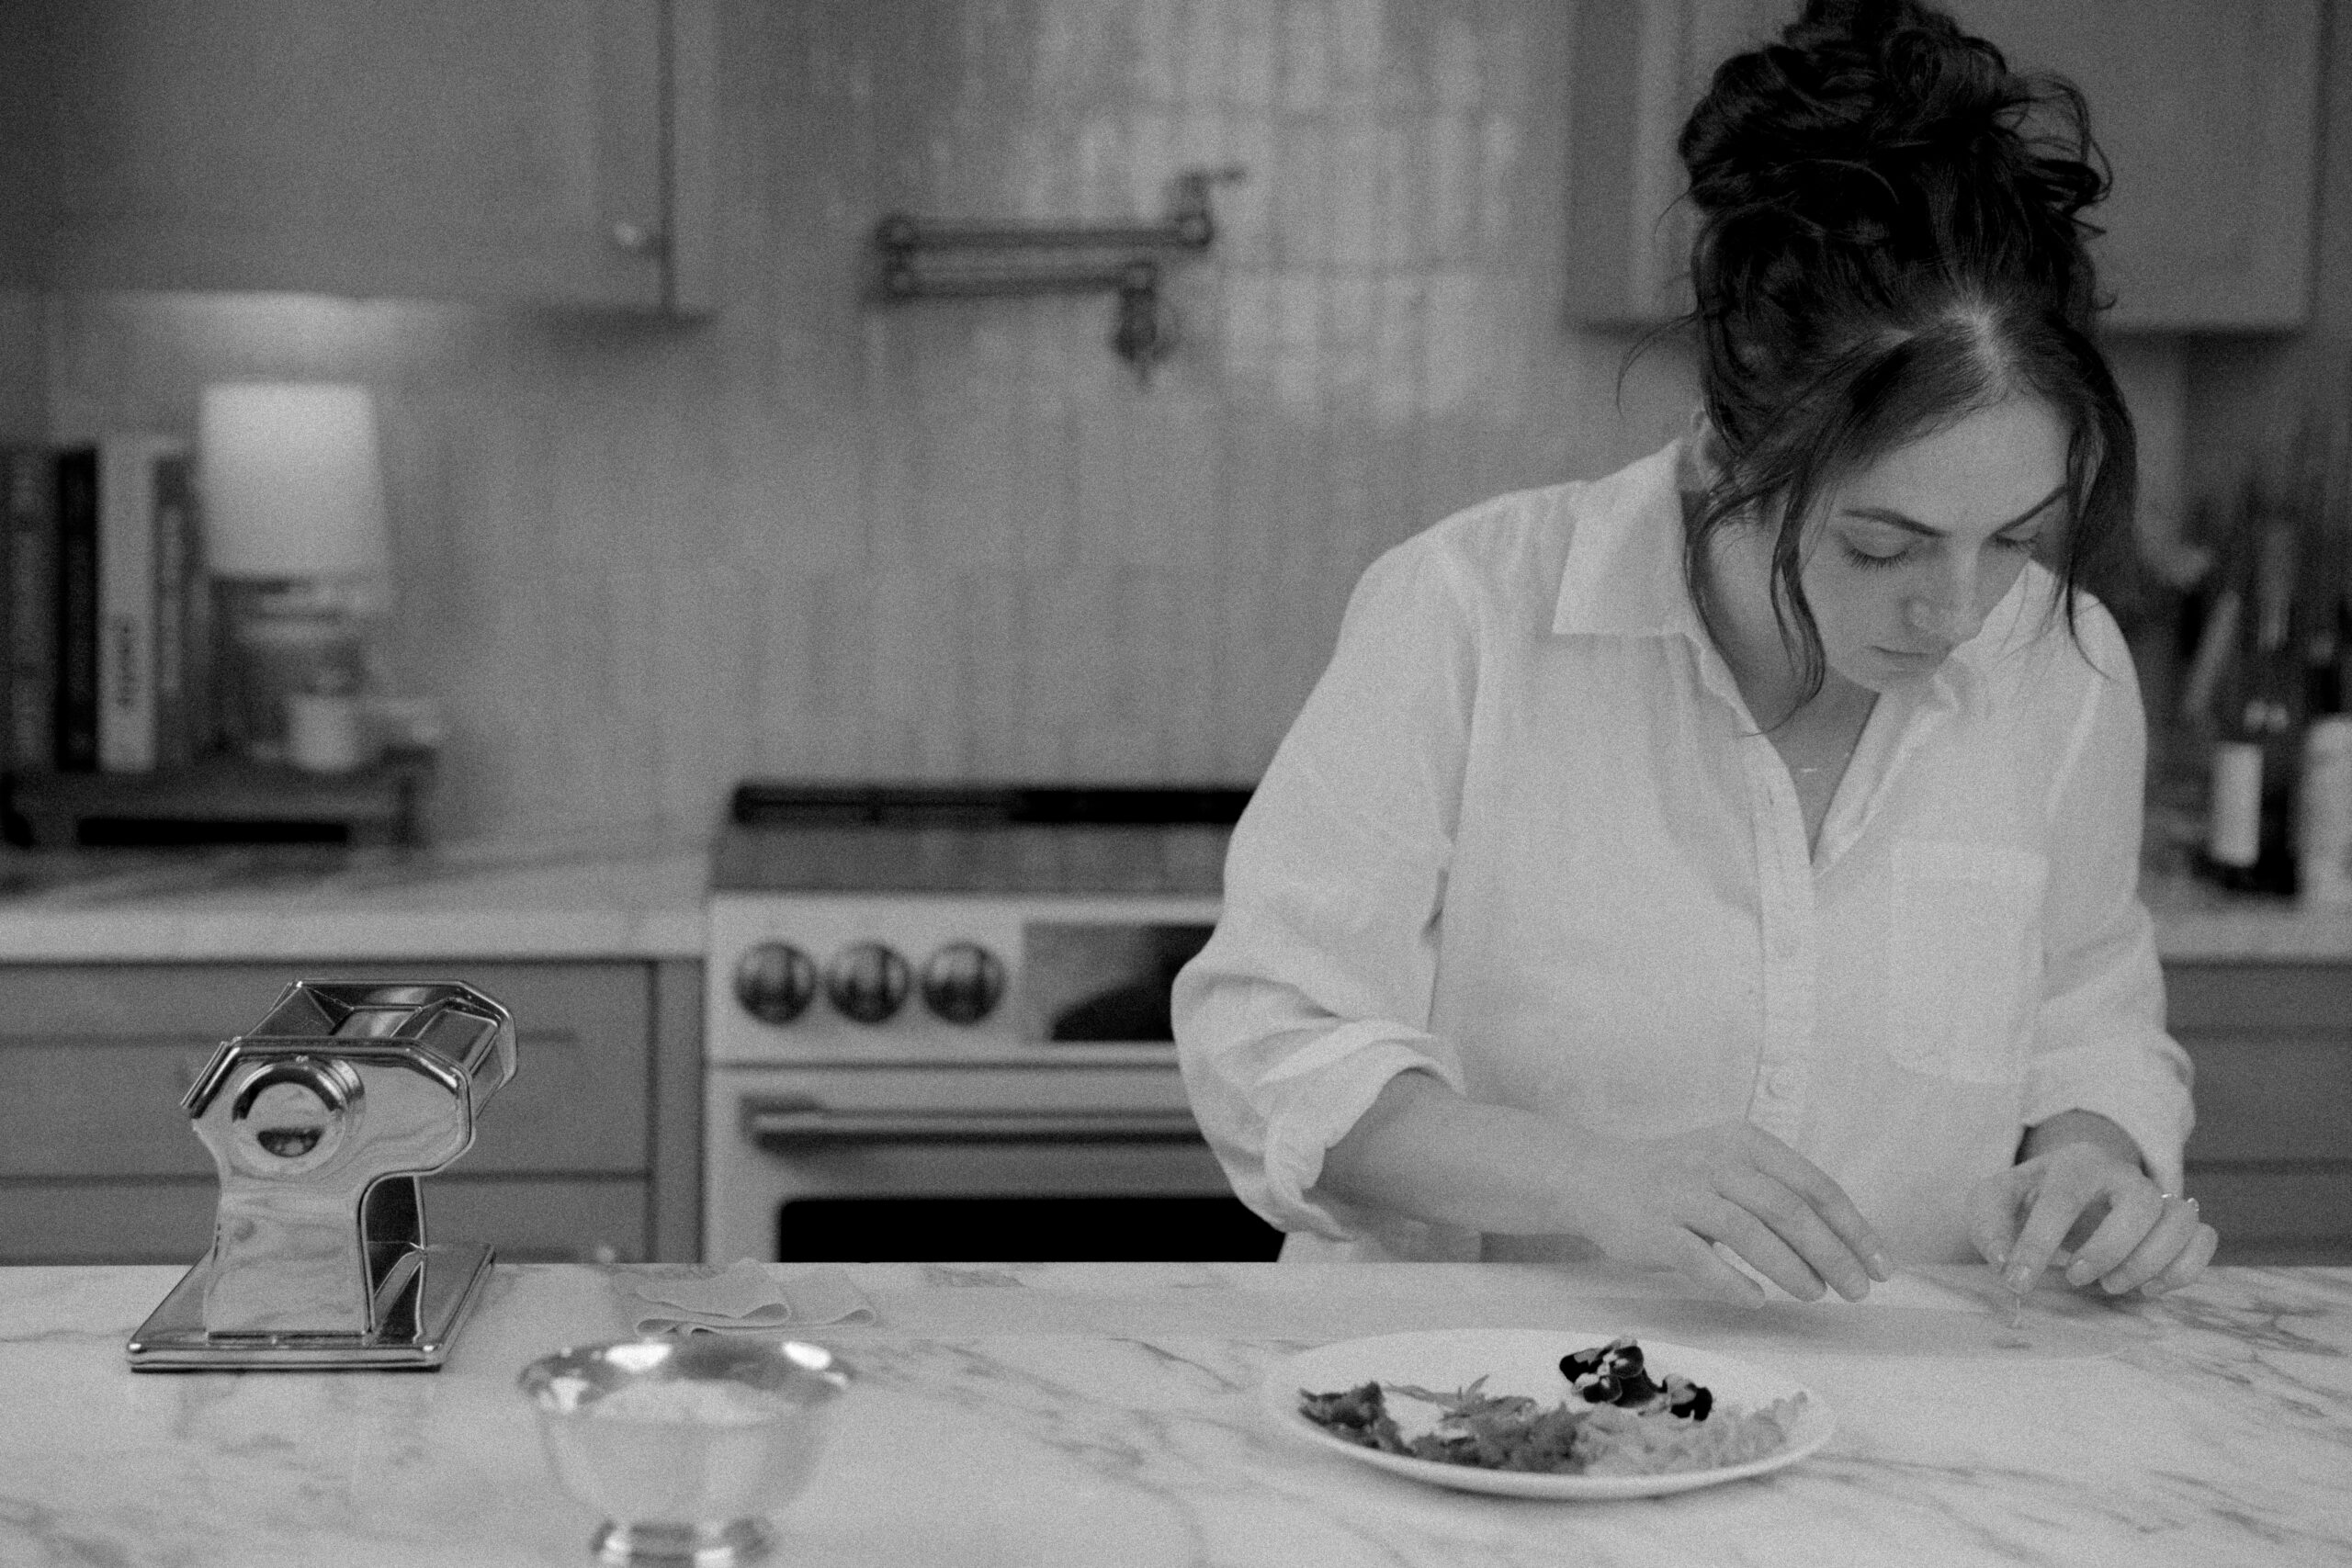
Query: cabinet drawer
[
  {"x": 2296, "y": 1214},
  {"x": 2276, "y": 1097},
  {"x": 2249, "y": 998},
  {"x": 170, "y": 1221},
  {"x": 94, "y": 1057}
]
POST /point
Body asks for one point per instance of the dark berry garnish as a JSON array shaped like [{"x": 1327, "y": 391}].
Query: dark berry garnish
[{"x": 1614, "y": 1374}]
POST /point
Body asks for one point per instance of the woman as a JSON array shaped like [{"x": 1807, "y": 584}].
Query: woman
[{"x": 1733, "y": 861}]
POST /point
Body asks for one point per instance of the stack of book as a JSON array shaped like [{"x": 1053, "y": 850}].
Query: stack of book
[{"x": 104, "y": 609}]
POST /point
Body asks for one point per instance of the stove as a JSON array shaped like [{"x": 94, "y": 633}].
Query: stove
[{"x": 936, "y": 1024}]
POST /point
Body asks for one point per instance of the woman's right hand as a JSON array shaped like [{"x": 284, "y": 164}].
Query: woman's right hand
[{"x": 1664, "y": 1201}]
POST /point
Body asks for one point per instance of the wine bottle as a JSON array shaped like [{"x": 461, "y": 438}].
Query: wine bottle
[{"x": 2250, "y": 844}]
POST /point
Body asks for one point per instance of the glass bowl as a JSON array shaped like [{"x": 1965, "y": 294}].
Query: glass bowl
[{"x": 684, "y": 1444}]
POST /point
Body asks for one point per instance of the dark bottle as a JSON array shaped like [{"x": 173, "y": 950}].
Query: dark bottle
[{"x": 2250, "y": 842}]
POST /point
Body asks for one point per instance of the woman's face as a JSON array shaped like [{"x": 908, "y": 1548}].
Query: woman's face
[{"x": 1908, "y": 556}]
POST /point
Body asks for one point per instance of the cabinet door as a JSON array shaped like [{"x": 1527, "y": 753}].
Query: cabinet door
[
  {"x": 94, "y": 1057},
  {"x": 96, "y": 1159},
  {"x": 528, "y": 1220},
  {"x": 23, "y": 171},
  {"x": 2207, "y": 110},
  {"x": 2270, "y": 1159},
  {"x": 543, "y": 151}
]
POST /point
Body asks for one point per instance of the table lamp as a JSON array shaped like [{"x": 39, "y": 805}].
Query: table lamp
[{"x": 295, "y": 543}]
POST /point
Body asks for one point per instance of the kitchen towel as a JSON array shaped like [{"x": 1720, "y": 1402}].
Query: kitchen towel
[{"x": 750, "y": 1297}]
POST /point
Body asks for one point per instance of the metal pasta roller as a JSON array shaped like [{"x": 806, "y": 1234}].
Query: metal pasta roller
[{"x": 321, "y": 1121}]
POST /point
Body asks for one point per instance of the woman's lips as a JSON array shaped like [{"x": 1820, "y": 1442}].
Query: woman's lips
[{"x": 1904, "y": 656}]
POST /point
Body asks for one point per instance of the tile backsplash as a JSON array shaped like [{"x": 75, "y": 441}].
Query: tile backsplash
[{"x": 816, "y": 536}]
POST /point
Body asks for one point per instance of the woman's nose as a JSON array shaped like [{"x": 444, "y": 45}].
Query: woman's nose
[{"x": 1950, "y": 616}]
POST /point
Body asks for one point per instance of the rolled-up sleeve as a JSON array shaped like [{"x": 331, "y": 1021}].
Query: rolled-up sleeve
[
  {"x": 2100, "y": 1043},
  {"x": 1314, "y": 989}
]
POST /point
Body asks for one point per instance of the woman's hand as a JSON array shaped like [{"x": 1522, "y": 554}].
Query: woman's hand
[
  {"x": 1668, "y": 1201},
  {"x": 2083, "y": 1202}
]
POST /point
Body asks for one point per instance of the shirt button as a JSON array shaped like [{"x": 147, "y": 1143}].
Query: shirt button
[{"x": 1781, "y": 1083}]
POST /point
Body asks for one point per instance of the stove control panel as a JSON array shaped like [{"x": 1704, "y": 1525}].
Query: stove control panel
[
  {"x": 799, "y": 977},
  {"x": 868, "y": 982}
]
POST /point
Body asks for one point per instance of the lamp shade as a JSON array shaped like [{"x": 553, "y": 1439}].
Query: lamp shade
[{"x": 292, "y": 484}]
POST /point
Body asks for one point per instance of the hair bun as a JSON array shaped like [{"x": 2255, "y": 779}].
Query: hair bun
[{"x": 1880, "y": 123}]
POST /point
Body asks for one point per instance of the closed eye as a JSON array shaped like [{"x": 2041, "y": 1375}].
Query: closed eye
[{"x": 1871, "y": 560}]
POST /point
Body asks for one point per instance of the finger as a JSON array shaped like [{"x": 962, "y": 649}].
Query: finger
[
  {"x": 1827, "y": 1199},
  {"x": 2059, "y": 1199},
  {"x": 1993, "y": 1206},
  {"x": 1736, "y": 1227},
  {"x": 1796, "y": 1224},
  {"x": 2165, "y": 1241},
  {"x": 2136, "y": 1212},
  {"x": 1691, "y": 1253},
  {"x": 2187, "y": 1266}
]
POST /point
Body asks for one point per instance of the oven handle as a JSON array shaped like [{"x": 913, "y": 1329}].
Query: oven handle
[{"x": 784, "y": 1124}]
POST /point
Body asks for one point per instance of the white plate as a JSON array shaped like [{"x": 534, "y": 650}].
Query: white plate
[{"x": 1527, "y": 1361}]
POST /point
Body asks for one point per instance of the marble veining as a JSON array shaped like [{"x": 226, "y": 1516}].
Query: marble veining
[{"x": 2209, "y": 1428}]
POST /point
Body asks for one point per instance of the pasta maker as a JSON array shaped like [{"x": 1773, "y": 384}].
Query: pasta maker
[{"x": 320, "y": 1122}]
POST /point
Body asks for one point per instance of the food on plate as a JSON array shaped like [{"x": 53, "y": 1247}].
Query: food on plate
[
  {"x": 1614, "y": 1374},
  {"x": 1621, "y": 1421}
]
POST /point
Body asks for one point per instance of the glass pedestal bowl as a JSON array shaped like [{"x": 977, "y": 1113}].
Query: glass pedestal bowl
[{"x": 684, "y": 1444}]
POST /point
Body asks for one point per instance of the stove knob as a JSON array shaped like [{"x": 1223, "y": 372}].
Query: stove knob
[
  {"x": 963, "y": 982},
  {"x": 776, "y": 982},
  {"x": 866, "y": 981}
]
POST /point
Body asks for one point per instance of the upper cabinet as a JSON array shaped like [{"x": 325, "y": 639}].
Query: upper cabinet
[
  {"x": 2206, "y": 109},
  {"x": 539, "y": 152},
  {"x": 21, "y": 137}
]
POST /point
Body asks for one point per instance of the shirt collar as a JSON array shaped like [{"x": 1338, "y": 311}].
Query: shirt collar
[{"x": 1623, "y": 573}]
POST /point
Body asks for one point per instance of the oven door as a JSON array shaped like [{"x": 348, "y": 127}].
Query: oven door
[{"x": 1053, "y": 1163}]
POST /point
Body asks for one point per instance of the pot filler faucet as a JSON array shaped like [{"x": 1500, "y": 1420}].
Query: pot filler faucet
[{"x": 321, "y": 1121}]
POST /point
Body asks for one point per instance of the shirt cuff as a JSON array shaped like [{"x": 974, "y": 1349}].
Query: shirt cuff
[
  {"x": 2117, "y": 1079},
  {"x": 1331, "y": 1085}
]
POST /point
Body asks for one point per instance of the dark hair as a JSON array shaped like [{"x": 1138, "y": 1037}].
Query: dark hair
[{"x": 1890, "y": 239}]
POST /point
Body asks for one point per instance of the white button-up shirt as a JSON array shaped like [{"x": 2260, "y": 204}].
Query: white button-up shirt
[{"x": 1525, "y": 836}]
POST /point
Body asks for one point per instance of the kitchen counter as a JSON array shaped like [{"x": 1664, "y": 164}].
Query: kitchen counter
[
  {"x": 643, "y": 897},
  {"x": 594, "y": 896},
  {"x": 1101, "y": 1413},
  {"x": 2198, "y": 923}
]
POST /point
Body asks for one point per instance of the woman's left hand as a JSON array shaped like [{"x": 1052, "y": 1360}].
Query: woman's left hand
[{"x": 2140, "y": 1238}]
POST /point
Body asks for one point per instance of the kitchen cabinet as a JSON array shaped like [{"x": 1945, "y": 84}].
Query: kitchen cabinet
[
  {"x": 21, "y": 191},
  {"x": 543, "y": 151},
  {"x": 592, "y": 1151},
  {"x": 2206, "y": 109},
  {"x": 2270, "y": 1161}
]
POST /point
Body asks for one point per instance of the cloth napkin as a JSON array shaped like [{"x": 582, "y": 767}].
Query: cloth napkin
[{"x": 750, "y": 1297}]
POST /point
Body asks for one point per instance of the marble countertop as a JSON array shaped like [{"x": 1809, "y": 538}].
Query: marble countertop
[
  {"x": 1067, "y": 1414},
  {"x": 2198, "y": 923},
  {"x": 598, "y": 895},
  {"x": 634, "y": 896}
]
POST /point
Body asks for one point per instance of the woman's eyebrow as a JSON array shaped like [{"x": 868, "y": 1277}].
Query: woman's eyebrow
[{"x": 1896, "y": 519}]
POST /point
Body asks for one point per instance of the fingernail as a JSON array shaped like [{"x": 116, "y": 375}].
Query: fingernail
[
  {"x": 2078, "y": 1273},
  {"x": 1880, "y": 1268},
  {"x": 2019, "y": 1279}
]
